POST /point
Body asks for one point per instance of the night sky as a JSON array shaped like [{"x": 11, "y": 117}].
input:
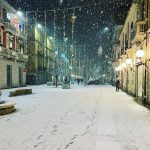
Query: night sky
[{"x": 92, "y": 17}]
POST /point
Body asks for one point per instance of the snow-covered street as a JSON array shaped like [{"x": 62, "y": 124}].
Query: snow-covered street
[{"x": 81, "y": 118}]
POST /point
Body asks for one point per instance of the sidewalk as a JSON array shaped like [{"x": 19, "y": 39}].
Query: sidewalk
[{"x": 123, "y": 123}]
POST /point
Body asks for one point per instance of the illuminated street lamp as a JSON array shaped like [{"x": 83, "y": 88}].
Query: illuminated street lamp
[
  {"x": 139, "y": 53},
  {"x": 119, "y": 68},
  {"x": 39, "y": 26},
  {"x": 128, "y": 61},
  {"x": 123, "y": 65},
  {"x": 19, "y": 13},
  {"x": 116, "y": 69},
  {"x": 106, "y": 29},
  {"x": 51, "y": 38}
]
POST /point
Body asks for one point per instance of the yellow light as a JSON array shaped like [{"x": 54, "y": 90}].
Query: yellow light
[
  {"x": 123, "y": 65},
  {"x": 139, "y": 53},
  {"x": 128, "y": 61}
]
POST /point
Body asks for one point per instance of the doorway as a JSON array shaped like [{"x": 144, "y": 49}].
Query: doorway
[{"x": 9, "y": 76}]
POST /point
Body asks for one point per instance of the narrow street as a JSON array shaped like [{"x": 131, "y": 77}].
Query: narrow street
[{"x": 81, "y": 118}]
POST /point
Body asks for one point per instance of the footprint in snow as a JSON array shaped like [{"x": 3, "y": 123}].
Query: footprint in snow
[
  {"x": 74, "y": 137},
  {"x": 39, "y": 137},
  {"x": 85, "y": 133},
  {"x": 68, "y": 145},
  {"x": 55, "y": 126},
  {"x": 53, "y": 131}
]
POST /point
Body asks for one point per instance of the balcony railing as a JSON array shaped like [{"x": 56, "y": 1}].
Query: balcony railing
[
  {"x": 137, "y": 34},
  {"x": 7, "y": 53},
  {"x": 22, "y": 57},
  {"x": 9, "y": 27},
  {"x": 22, "y": 35}
]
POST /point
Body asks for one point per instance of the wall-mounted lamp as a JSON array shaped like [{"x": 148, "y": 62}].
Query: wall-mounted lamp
[
  {"x": 123, "y": 65},
  {"x": 140, "y": 53},
  {"x": 19, "y": 13},
  {"x": 129, "y": 63},
  {"x": 119, "y": 68}
]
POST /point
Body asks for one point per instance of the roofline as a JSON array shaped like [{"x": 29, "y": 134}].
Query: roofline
[
  {"x": 8, "y": 6},
  {"x": 127, "y": 17}
]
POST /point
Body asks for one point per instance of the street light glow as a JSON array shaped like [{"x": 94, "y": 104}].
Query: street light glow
[
  {"x": 139, "y": 53},
  {"x": 128, "y": 61},
  {"x": 19, "y": 13},
  {"x": 39, "y": 26},
  {"x": 119, "y": 68},
  {"x": 51, "y": 37},
  {"x": 123, "y": 65},
  {"x": 106, "y": 29}
]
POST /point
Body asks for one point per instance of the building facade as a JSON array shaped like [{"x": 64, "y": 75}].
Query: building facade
[
  {"x": 133, "y": 56},
  {"x": 13, "y": 54},
  {"x": 40, "y": 47}
]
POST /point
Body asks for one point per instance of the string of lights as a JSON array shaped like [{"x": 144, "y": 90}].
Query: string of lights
[{"x": 75, "y": 7}]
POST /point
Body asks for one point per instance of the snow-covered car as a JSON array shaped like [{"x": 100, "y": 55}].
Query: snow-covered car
[{"x": 93, "y": 82}]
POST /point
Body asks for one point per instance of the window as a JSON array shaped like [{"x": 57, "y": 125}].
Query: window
[
  {"x": 142, "y": 28},
  {"x": 8, "y": 17},
  {"x": 21, "y": 48},
  {"x": 132, "y": 25},
  {"x": 1, "y": 37},
  {"x": 9, "y": 41},
  {"x": 4, "y": 14}
]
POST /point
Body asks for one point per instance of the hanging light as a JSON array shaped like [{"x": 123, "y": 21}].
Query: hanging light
[{"x": 139, "y": 53}]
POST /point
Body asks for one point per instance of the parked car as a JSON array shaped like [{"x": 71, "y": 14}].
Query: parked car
[{"x": 93, "y": 82}]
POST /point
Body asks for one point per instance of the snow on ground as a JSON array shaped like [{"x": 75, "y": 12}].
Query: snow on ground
[{"x": 81, "y": 118}]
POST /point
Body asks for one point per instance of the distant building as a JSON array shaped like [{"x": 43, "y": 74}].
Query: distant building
[
  {"x": 13, "y": 53},
  {"x": 40, "y": 47}
]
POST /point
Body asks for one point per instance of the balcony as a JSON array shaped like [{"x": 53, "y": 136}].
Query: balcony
[
  {"x": 9, "y": 27},
  {"x": 25, "y": 57},
  {"x": 13, "y": 55},
  {"x": 22, "y": 57},
  {"x": 22, "y": 35},
  {"x": 137, "y": 34},
  {"x": 5, "y": 52}
]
